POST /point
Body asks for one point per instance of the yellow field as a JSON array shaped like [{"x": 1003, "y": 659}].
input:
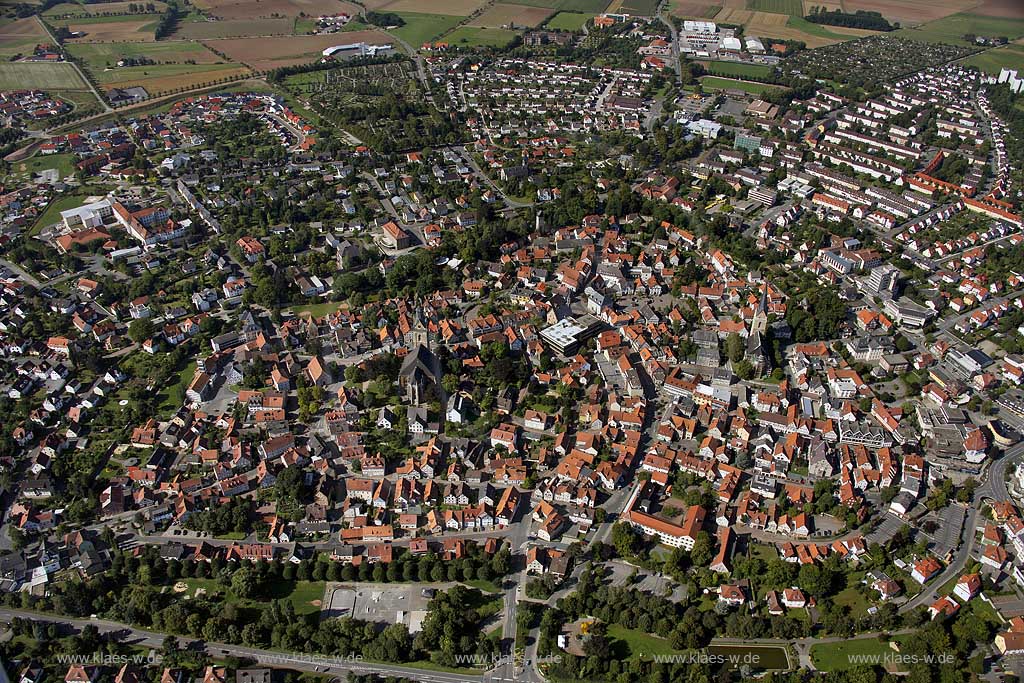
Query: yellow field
[
  {"x": 909, "y": 12},
  {"x": 113, "y": 31},
  {"x": 454, "y": 8},
  {"x": 502, "y": 14}
]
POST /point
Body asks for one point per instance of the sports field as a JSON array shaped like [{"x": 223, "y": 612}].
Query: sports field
[
  {"x": 739, "y": 70},
  {"x": 715, "y": 83},
  {"x": 45, "y": 76}
]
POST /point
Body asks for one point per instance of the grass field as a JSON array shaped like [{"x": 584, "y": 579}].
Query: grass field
[
  {"x": 631, "y": 644},
  {"x": 991, "y": 61},
  {"x": 166, "y": 78},
  {"x": 19, "y": 37},
  {"x": 302, "y": 594},
  {"x": 56, "y": 76},
  {"x": 584, "y": 6},
  {"x": 472, "y": 36},
  {"x": 421, "y": 28},
  {"x": 568, "y": 21},
  {"x": 715, "y": 83},
  {"x": 64, "y": 163},
  {"x": 838, "y": 656},
  {"x": 512, "y": 14},
  {"x": 643, "y": 8},
  {"x": 52, "y": 213},
  {"x": 738, "y": 70},
  {"x": 791, "y": 7},
  {"x": 951, "y": 29}
]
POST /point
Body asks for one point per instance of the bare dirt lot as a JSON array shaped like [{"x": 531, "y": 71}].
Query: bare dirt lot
[
  {"x": 1012, "y": 9},
  {"x": 271, "y": 53},
  {"x": 254, "y": 9},
  {"x": 501, "y": 15},
  {"x": 158, "y": 80}
]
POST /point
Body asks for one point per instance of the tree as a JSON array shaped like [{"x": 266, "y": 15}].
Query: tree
[
  {"x": 140, "y": 330},
  {"x": 625, "y": 539}
]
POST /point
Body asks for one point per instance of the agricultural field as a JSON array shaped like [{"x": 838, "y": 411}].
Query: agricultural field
[
  {"x": 264, "y": 54},
  {"x": 19, "y": 37},
  {"x": 951, "y": 29},
  {"x": 694, "y": 9},
  {"x": 911, "y": 12},
  {"x": 254, "y": 9},
  {"x": 505, "y": 14},
  {"x": 786, "y": 27},
  {"x": 234, "y": 28},
  {"x": 45, "y": 76},
  {"x": 132, "y": 27},
  {"x": 166, "y": 78},
  {"x": 472, "y": 36},
  {"x": 74, "y": 9},
  {"x": 100, "y": 56},
  {"x": 792, "y": 7},
  {"x": 715, "y": 83},
  {"x": 421, "y": 28},
  {"x": 458, "y": 8},
  {"x": 568, "y": 21},
  {"x": 991, "y": 61},
  {"x": 583, "y": 6}
]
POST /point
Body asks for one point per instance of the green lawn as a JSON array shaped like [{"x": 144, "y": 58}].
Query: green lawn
[
  {"x": 849, "y": 597},
  {"x": 473, "y": 36},
  {"x": 715, "y": 83},
  {"x": 632, "y": 644},
  {"x": 991, "y": 61},
  {"x": 791, "y": 7},
  {"x": 485, "y": 586},
  {"x": 848, "y": 654},
  {"x": 317, "y": 310},
  {"x": 302, "y": 594},
  {"x": 153, "y": 18},
  {"x": 568, "y": 21},
  {"x": 421, "y": 28},
  {"x": 42, "y": 75},
  {"x": 53, "y": 209},
  {"x": 173, "y": 395},
  {"x": 739, "y": 70},
  {"x": 951, "y": 29}
]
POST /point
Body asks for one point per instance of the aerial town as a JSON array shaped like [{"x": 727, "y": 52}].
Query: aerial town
[{"x": 568, "y": 342}]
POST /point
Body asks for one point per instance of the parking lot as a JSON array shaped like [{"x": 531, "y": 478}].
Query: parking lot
[{"x": 386, "y": 603}]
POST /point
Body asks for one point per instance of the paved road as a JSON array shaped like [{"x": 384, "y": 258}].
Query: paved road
[
  {"x": 675, "y": 40},
  {"x": 25, "y": 276},
  {"x": 994, "y": 487},
  {"x": 310, "y": 663}
]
